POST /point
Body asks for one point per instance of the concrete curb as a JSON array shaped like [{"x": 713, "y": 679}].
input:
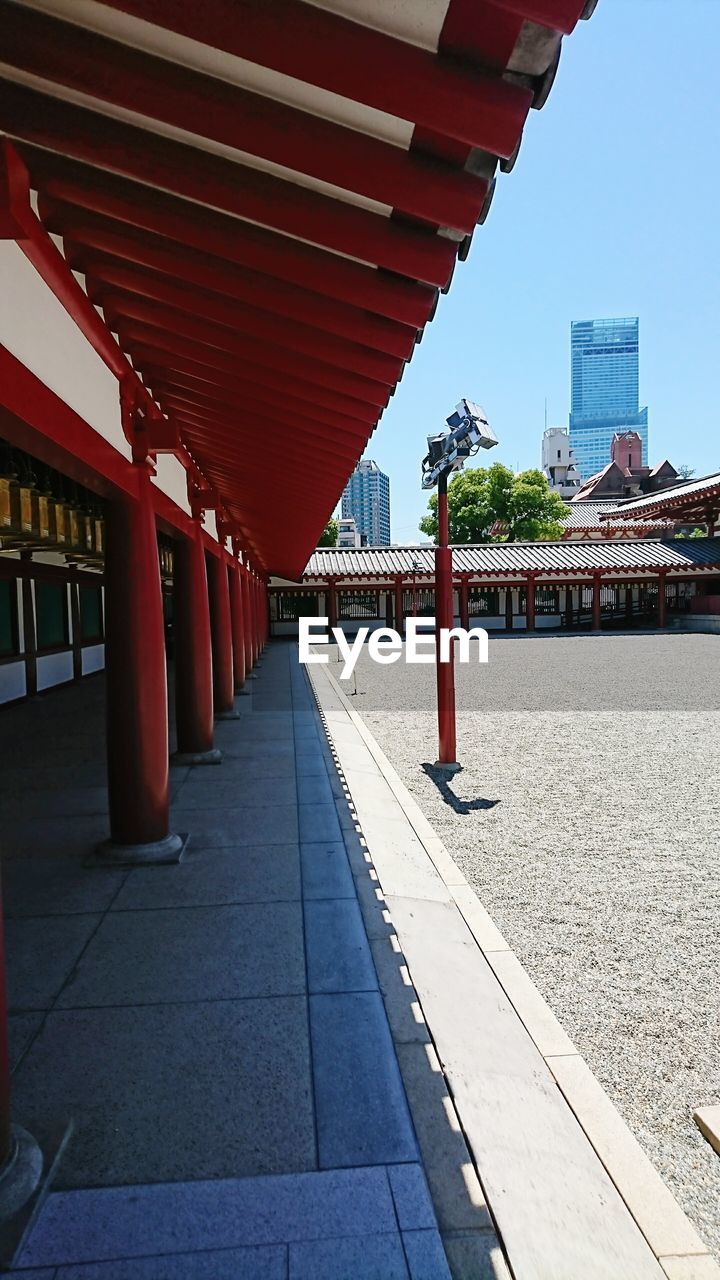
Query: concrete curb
[{"x": 675, "y": 1244}]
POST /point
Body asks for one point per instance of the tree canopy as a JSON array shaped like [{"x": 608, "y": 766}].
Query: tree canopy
[
  {"x": 329, "y": 535},
  {"x": 492, "y": 504}
]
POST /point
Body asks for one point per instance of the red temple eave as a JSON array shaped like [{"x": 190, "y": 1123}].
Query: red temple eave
[{"x": 265, "y": 226}]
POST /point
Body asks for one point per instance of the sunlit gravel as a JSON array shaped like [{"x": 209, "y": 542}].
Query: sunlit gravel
[{"x": 587, "y": 817}]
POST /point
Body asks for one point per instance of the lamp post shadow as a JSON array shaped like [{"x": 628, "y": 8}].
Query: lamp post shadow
[{"x": 463, "y": 807}]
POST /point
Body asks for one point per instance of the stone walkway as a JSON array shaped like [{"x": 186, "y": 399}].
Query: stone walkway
[
  {"x": 306, "y": 1052},
  {"x": 212, "y": 1034}
]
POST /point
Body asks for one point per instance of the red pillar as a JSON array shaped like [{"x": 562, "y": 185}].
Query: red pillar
[
  {"x": 247, "y": 619},
  {"x": 221, "y": 636},
  {"x": 596, "y": 612},
  {"x": 137, "y": 714},
  {"x": 445, "y": 671},
  {"x": 236, "y": 619},
  {"x": 464, "y": 609},
  {"x": 661, "y": 601},
  {"x": 257, "y": 620},
  {"x": 530, "y": 603},
  {"x": 399, "y": 619},
  {"x": 508, "y": 608},
  {"x": 332, "y": 604},
  {"x": 193, "y": 653}
]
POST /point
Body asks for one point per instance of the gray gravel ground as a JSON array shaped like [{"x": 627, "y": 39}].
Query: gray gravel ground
[{"x": 587, "y": 817}]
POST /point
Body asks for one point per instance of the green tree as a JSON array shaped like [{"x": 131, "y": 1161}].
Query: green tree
[
  {"x": 329, "y": 535},
  {"x": 489, "y": 504}
]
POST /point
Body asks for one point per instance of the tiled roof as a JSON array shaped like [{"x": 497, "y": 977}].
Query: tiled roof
[
  {"x": 588, "y": 515},
  {"x": 517, "y": 557},
  {"x": 680, "y": 495}
]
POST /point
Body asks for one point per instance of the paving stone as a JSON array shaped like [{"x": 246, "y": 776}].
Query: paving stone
[
  {"x": 123, "y": 1222},
  {"x": 266, "y": 1262},
  {"x": 456, "y": 1192},
  {"x": 314, "y": 789},
  {"x": 376, "y": 916},
  {"x": 192, "y": 953},
  {"x": 57, "y": 886},
  {"x": 425, "y": 1255},
  {"x": 189, "y": 1091},
  {"x": 691, "y": 1267},
  {"x": 401, "y": 1002},
  {"x": 235, "y": 789},
  {"x": 476, "y": 1255},
  {"x": 400, "y": 860},
  {"x": 326, "y": 871},
  {"x": 258, "y": 873},
  {"x": 226, "y": 828},
  {"x": 318, "y": 822},
  {"x": 650, "y": 1201},
  {"x": 411, "y": 1196},
  {"x": 41, "y": 955},
  {"x": 338, "y": 954},
  {"x": 309, "y": 764},
  {"x": 21, "y": 1029},
  {"x": 362, "y": 1112},
  {"x": 68, "y": 837},
  {"x": 534, "y": 1013},
  {"x": 376, "y": 1257},
  {"x": 58, "y": 803},
  {"x": 481, "y": 925}
]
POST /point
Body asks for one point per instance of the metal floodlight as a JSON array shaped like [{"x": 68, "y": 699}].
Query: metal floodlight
[{"x": 447, "y": 451}]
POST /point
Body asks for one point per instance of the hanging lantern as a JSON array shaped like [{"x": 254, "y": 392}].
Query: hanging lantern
[{"x": 9, "y": 504}]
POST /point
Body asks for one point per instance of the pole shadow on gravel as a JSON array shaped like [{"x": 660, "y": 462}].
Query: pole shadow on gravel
[{"x": 463, "y": 807}]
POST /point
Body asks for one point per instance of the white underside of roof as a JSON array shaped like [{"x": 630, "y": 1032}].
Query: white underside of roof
[
  {"x": 417, "y": 21},
  {"x": 179, "y": 49},
  {"x": 160, "y": 129}
]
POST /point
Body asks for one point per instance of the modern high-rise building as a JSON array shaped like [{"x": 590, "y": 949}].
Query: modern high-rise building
[
  {"x": 366, "y": 497},
  {"x": 604, "y": 357}
]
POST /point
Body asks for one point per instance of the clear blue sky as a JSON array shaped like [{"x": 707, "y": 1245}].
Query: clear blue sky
[{"x": 612, "y": 209}]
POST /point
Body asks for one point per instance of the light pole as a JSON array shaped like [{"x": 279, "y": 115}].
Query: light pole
[{"x": 469, "y": 431}]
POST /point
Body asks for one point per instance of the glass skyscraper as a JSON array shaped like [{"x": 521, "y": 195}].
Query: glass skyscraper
[
  {"x": 604, "y": 389},
  {"x": 366, "y": 496}
]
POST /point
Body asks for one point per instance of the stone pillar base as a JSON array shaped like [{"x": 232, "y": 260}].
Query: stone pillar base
[
  {"x": 213, "y": 756},
  {"x": 157, "y": 852}
]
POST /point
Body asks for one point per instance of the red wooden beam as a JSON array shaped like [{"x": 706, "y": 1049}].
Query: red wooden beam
[
  {"x": 222, "y": 184},
  {"x": 126, "y": 291},
  {"x": 92, "y": 202},
  {"x": 334, "y": 53},
  {"x": 278, "y": 412},
  {"x": 241, "y": 391},
  {"x": 178, "y": 333},
  {"x": 246, "y": 379},
  {"x": 284, "y": 434},
  {"x": 123, "y": 77},
  {"x": 247, "y": 287}
]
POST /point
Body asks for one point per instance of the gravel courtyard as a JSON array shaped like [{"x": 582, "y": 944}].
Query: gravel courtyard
[{"x": 587, "y": 817}]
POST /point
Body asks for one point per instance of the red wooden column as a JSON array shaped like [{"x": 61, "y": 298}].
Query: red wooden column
[
  {"x": 530, "y": 603},
  {"x": 193, "y": 653},
  {"x": 221, "y": 637},
  {"x": 662, "y": 603},
  {"x": 257, "y": 622},
  {"x": 247, "y": 619},
  {"x": 508, "y": 607},
  {"x": 399, "y": 619},
  {"x": 464, "y": 609},
  {"x": 596, "y": 612},
  {"x": 238, "y": 633},
  {"x": 332, "y": 603},
  {"x": 136, "y": 681}
]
